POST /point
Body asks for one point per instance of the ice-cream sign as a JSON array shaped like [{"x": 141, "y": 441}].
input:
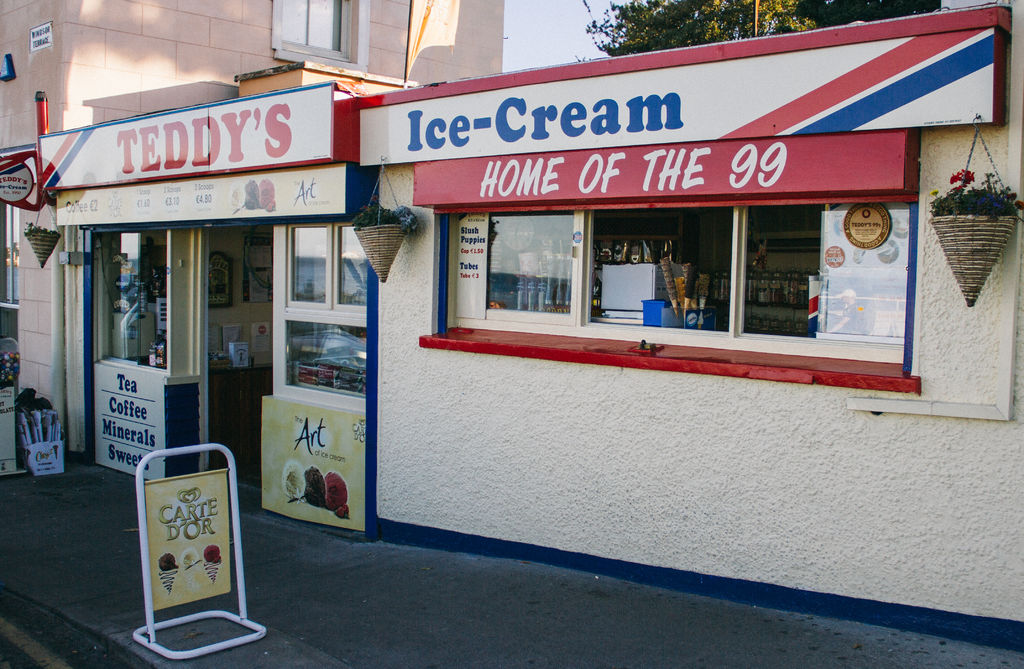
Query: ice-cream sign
[
  {"x": 696, "y": 96},
  {"x": 273, "y": 130},
  {"x": 189, "y": 537}
]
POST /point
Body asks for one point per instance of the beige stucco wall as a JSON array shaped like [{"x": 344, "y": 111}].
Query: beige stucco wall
[{"x": 769, "y": 482}]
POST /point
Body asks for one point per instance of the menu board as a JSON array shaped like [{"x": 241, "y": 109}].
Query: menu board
[
  {"x": 471, "y": 232},
  {"x": 129, "y": 415}
]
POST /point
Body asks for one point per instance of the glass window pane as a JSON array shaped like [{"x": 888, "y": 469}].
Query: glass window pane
[
  {"x": 294, "y": 19},
  {"x": 323, "y": 24},
  {"x": 863, "y": 272},
  {"x": 354, "y": 270},
  {"x": 309, "y": 264},
  {"x": 666, "y": 268},
  {"x": 326, "y": 357},
  {"x": 530, "y": 263},
  {"x": 783, "y": 246},
  {"x": 128, "y": 297}
]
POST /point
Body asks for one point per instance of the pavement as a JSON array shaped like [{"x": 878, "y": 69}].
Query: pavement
[{"x": 329, "y": 599}]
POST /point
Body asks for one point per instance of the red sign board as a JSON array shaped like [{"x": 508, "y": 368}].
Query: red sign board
[
  {"x": 847, "y": 165},
  {"x": 18, "y": 185}
]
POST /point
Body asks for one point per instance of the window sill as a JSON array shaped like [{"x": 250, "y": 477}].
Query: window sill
[{"x": 689, "y": 359}]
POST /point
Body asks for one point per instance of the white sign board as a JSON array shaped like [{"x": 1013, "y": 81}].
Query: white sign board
[
  {"x": 940, "y": 79},
  {"x": 471, "y": 231},
  {"x": 311, "y": 191},
  {"x": 130, "y": 416},
  {"x": 40, "y": 37},
  {"x": 263, "y": 131}
]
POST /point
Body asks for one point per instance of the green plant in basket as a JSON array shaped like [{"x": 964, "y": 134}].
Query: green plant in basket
[
  {"x": 374, "y": 214},
  {"x": 989, "y": 199}
]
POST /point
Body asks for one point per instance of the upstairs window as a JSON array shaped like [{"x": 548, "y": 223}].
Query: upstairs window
[{"x": 322, "y": 29}]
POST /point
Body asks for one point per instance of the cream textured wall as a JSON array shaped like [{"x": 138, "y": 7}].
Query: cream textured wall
[{"x": 769, "y": 482}]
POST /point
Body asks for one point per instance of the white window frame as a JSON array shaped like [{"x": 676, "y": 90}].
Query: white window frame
[
  {"x": 579, "y": 324},
  {"x": 10, "y": 234},
  {"x": 355, "y": 42},
  {"x": 330, "y": 312}
]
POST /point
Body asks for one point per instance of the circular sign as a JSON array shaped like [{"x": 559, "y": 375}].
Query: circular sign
[
  {"x": 867, "y": 226},
  {"x": 15, "y": 183},
  {"x": 834, "y": 256}
]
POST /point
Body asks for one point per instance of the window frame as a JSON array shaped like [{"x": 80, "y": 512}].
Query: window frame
[
  {"x": 10, "y": 275},
  {"x": 331, "y": 312},
  {"x": 580, "y": 326},
  {"x": 353, "y": 50}
]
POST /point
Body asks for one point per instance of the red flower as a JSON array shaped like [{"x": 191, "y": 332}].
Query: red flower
[{"x": 963, "y": 177}]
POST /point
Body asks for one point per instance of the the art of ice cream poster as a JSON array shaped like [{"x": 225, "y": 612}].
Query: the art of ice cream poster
[
  {"x": 314, "y": 464},
  {"x": 188, "y": 522}
]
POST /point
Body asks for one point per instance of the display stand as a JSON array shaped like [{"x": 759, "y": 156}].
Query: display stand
[{"x": 146, "y": 635}]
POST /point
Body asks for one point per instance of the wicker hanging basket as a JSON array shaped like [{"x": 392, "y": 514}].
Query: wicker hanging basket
[
  {"x": 973, "y": 245},
  {"x": 43, "y": 242},
  {"x": 381, "y": 244}
]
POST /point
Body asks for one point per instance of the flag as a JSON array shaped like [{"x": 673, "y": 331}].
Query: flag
[{"x": 431, "y": 23}]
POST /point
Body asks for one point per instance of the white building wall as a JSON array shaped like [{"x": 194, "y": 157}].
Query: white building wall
[{"x": 768, "y": 482}]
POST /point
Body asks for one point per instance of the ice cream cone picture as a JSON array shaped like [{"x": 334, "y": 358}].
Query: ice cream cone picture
[
  {"x": 168, "y": 570},
  {"x": 212, "y": 561},
  {"x": 189, "y": 560}
]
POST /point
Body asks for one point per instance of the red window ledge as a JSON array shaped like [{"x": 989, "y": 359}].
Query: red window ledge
[{"x": 689, "y": 359}]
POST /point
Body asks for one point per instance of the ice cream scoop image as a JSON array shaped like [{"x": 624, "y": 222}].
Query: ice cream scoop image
[
  {"x": 212, "y": 553},
  {"x": 211, "y": 561},
  {"x": 315, "y": 487},
  {"x": 167, "y": 562},
  {"x": 168, "y": 570},
  {"x": 337, "y": 492},
  {"x": 267, "y": 200}
]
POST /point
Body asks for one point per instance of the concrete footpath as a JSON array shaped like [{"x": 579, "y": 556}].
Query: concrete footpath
[{"x": 69, "y": 544}]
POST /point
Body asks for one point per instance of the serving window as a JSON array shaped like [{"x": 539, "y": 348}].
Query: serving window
[
  {"x": 808, "y": 279},
  {"x": 131, "y": 297},
  {"x": 324, "y": 317}
]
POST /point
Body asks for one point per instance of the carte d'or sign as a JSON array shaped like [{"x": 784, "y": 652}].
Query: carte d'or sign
[
  {"x": 189, "y": 537},
  {"x": 867, "y": 226}
]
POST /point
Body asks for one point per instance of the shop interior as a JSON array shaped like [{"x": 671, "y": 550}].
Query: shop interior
[
  {"x": 683, "y": 257},
  {"x": 132, "y": 323}
]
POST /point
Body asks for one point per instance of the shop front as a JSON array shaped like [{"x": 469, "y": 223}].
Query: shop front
[
  {"x": 685, "y": 315},
  {"x": 217, "y": 267}
]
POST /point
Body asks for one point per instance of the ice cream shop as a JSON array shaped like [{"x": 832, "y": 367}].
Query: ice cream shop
[
  {"x": 223, "y": 295},
  {"x": 692, "y": 317},
  {"x": 710, "y": 318}
]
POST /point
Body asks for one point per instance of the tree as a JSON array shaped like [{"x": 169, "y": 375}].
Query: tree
[
  {"x": 839, "y": 12},
  {"x": 638, "y": 26}
]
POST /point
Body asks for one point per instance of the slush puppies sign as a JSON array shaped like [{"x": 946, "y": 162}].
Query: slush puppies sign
[{"x": 189, "y": 533}]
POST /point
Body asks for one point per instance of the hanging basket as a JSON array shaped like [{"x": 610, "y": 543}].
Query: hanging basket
[
  {"x": 43, "y": 242},
  {"x": 381, "y": 244},
  {"x": 973, "y": 245}
]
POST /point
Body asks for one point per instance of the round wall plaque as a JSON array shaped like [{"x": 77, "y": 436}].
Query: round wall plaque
[{"x": 867, "y": 226}]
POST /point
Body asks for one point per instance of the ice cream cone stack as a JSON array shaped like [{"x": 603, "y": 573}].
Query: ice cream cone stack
[{"x": 167, "y": 579}]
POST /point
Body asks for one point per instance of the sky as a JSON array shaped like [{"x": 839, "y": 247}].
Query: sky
[{"x": 549, "y": 32}]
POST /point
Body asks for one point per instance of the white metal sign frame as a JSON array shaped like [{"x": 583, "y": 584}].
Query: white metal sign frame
[{"x": 146, "y": 635}]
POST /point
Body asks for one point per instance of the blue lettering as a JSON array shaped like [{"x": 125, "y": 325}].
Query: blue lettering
[
  {"x": 457, "y": 131},
  {"x": 435, "y": 133},
  {"x": 607, "y": 119},
  {"x": 414, "y": 130},
  {"x": 654, "y": 104},
  {"x": 573, "y": 112},
  {"x": 541, "y": 115},
  {"x": 505, "y": 131}
]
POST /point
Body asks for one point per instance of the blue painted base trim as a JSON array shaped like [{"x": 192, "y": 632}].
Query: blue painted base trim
[{"x": 973, "y": 629}]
